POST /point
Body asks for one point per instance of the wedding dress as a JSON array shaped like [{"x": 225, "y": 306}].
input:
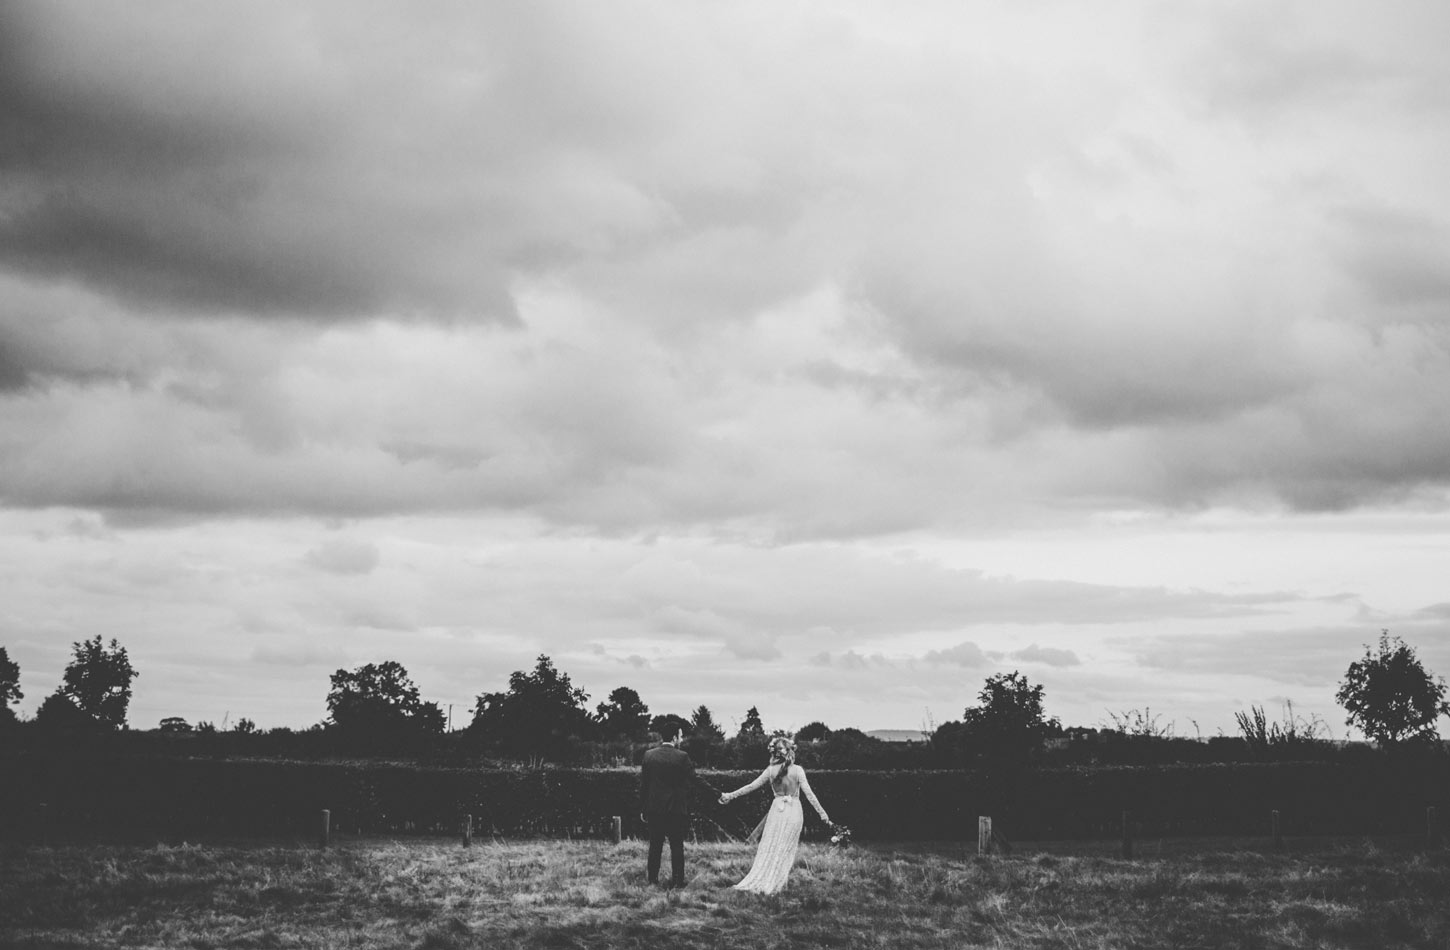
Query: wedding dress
[{"x": 782, "y": 832}]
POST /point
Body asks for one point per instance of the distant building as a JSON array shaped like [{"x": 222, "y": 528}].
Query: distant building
[{"x": 899, "y": 735}]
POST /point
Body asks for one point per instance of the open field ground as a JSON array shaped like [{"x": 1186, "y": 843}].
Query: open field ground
[{"x": 436, "y": 894}]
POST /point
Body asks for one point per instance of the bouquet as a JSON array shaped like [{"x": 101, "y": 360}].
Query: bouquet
[{"x": 840, "y": 836}]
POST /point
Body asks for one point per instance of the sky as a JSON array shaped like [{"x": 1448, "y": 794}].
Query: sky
[{"x": 825, "y": 358}]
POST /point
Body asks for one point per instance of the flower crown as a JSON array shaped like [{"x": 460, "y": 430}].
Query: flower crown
[{"x": 782, "y": 749}]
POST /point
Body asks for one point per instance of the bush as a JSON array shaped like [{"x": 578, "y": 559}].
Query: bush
[{"x": 168, "y": 796}]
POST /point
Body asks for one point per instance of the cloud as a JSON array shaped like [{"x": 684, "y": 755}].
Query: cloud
[
  {"x": 738, "y": 638},
  {"x": 344, "y": 556},
  {"x": 344, "y": 180},
  {"x": 752, "y": 645},
  {"x": 851, "y": 660},
  {"x": 965, "y": 654},
  {"x": 1300, "y": 657},
  {"x": 238, "y": 187},
  {"x": 1248, "y": 69},
  {"x": 983, "y": 287},
  {"x": 1394, "y": 257},
  {"x": 369, "y": 614},
  {"x": 295, "y": 653},
  {"x": 463, "y": 601},
  {"x": 1050, "y": 656}
]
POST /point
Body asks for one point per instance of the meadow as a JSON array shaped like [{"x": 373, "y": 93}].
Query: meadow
[{"x": 432, "y": 893}]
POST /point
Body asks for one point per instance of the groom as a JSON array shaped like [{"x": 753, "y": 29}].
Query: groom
[{"x": 664, "y": 803}]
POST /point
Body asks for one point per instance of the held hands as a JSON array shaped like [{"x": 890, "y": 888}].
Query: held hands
[{"x": 723, "y": 798}]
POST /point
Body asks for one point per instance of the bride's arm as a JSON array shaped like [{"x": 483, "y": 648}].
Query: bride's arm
[
  {"x": 764, "y": 777},
  {"x": 811, "y": 797}
]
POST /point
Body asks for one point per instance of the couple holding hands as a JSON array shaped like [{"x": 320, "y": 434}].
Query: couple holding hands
[{"x": 665, "y": 779}]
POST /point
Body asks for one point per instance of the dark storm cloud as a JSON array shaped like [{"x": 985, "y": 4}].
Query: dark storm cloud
[
  {"x": 61, "y": 334},
  {"x": 745, "y": 267},
  {"x": 143, "y": 257},
  {"x": 167, "y": 167},
  {"x": 14, "y": 373},
  {"x": 115, "y": 190}
]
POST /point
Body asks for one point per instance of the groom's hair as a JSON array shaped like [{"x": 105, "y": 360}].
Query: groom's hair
[{"x": 671, "y": 731}]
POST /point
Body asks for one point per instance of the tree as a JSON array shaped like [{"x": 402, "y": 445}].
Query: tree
[
  {"x": 705, "y": 737},
  {"x": 948, "y": 743},
  {"x": 752, "y": 726},
  {"x": 746, "y": 749},
  {"x": 59, "y": 713},
  {"x": 98, "y": 682},
  {"x": 1390, "y": 696},
  {"x": 175, "y": 724},
  {"x": 703, "y": 726},
  {"x": 624, "y": 716},
  {"x": 813, "y": 732},
  {"x": 9, "y": 685},
  {"x": 670, "y": 724},
  {"x": 849, "y": 748},
  {"x": 536, "y": 717},
  {"x": 1009, "y": 724},
  {"x": 376, "y": 701}
]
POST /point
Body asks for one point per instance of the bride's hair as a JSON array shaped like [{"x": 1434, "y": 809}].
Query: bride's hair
[{"x": 782, "y": 750}]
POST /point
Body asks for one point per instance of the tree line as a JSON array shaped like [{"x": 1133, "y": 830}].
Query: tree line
[{"x": 542, "y": 716}]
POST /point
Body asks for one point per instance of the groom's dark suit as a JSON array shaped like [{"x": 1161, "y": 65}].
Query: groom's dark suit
[{"x": 664, "y": 803}]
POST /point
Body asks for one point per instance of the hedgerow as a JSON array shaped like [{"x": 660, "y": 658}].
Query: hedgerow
[{"x": 193, "y": 798}]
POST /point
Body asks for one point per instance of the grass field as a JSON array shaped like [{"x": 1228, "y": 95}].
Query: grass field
[{"x": 437, "y": 894}]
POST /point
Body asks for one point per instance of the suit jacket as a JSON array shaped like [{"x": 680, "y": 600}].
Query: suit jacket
[{"x": 665, "y": 780}]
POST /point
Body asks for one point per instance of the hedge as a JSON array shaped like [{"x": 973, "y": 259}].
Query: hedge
[{"x": 194, "y": 798}]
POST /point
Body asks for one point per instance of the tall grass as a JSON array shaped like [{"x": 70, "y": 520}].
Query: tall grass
[{"x": 371, "y": 894}]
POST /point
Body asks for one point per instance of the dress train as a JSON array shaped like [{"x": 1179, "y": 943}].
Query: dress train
[{"x": 778, "y": 844}]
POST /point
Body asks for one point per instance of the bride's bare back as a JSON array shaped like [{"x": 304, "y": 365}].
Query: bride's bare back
[{"x": 793, "y": 784}]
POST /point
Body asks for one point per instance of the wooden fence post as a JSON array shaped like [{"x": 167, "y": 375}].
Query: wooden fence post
[
  {"x": 984, "y": 834},
  {"x": 618, "y": 829},
  {"x": 326, "y": 826},
  {"x": 467, "y": 830},
  {"x": 1127, "y": 834},
  {"x": 1278, "y": 834}
]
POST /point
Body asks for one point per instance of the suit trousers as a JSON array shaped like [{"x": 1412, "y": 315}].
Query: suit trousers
[{"x": 672, "y": 826}]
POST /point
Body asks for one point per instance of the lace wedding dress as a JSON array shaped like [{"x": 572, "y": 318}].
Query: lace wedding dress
[{"x": 781, "y": 835}]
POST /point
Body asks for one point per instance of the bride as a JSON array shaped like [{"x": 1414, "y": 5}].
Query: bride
[{"x": 782, "y": 826}]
